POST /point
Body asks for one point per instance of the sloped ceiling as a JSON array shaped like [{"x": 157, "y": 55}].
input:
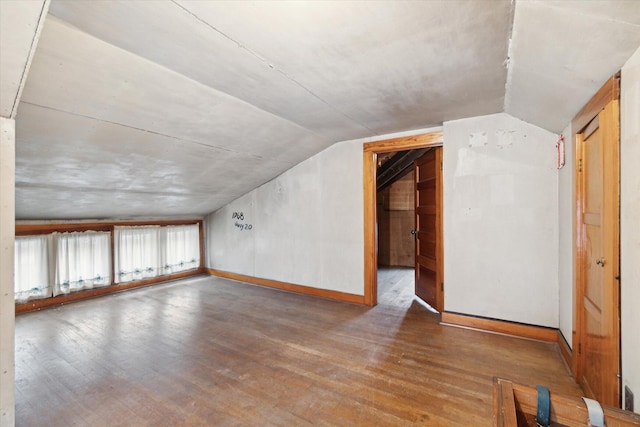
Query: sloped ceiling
[{"x": 166, "y": 108}]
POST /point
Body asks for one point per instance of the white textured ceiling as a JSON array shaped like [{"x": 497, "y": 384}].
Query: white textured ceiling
[{"x": 166, "y": 108}]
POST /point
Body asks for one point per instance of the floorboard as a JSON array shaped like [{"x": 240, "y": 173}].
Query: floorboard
[{"x": 210, "y": 351}]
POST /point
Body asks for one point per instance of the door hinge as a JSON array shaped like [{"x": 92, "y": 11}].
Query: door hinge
[
  {"x": 442, "y": 286},
  {"x": 579, "y": 348},
  {"x": 579, "y": 165},
  {"x": 440, "y": 165}
]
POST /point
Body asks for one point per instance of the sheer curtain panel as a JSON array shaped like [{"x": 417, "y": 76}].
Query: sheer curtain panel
[
  {"x": 137, "y": 253},
  {"x": 83, "y": 261},
  {"x": 31, "y": 262},
  {"x": 181, "y": 248}
]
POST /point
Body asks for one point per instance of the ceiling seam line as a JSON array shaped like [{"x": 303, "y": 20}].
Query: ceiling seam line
[
  {"x": 273, "y": 67},
  {"x": 189, "y": 141},
  {"x": 211, "y": 88},
  {"x": 508, "y": 63},
  {"x": 32, "y": 50},
  {"x": 109, "y": 190}
]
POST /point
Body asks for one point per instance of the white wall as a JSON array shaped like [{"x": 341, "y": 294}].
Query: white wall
[
  {"x": 306, "y": 225},
  {"x": 566, "y": 252},
  {"x": 501, "y": 220},
  {"x": 7, "y": 304},
  {"x": 630, "y": 225}
]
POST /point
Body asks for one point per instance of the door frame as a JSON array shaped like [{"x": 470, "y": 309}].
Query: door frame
[
  {"x": 370, "y": 171},
  {"x": 607, "y": 99}
]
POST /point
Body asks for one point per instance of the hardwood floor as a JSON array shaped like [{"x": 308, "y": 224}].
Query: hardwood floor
[
  {"x": 396, "y": 285},
  {"x": 210, "y": 351}
]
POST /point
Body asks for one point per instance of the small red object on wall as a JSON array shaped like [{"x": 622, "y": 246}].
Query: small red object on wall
[{"x": 560, "y": 148}]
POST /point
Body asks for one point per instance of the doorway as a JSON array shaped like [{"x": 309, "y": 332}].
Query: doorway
[
  {"x": 596, "y": 346},
  {"x": 371, "y": 151},
  {"x": 395, "y": 205}
]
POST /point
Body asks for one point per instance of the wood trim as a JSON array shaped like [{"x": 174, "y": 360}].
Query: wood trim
[
  {"x": 31, "y": 229},
  {"x": 591, "y": 127},
  {"x": 412, "y": 142},
  {"x": 202, "y": 243},
  {"x": 370, "y": 229},
  {"x": 369, "y": 167},
  {"x": 578, "y": 233},
  {"x": 92, "y": 293},
  {"x": 439, "y": 236},
  {"x": 565, "y": 350},
  {"x": 502, "y": 327},
  {"x": 565, "y": 410},
  {"x": 607, "y": 93},
  {"x": 299, "y": 289},
  {"x": 504, "y": 404}
]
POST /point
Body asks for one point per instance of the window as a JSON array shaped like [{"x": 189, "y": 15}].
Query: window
[
  {"x": 67, "y": 261},
  {"x": 31, "y": 263},
  {"x": 83, "y": 261},
  {"x": 181, "y": 249},
  {"x": 137, "y": 253},
  {"x": 150, "y": 251}
]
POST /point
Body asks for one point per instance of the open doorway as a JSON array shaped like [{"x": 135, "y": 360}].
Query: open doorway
[
  {"x": 395, "y": 209},
  {"x": 373, "y": 152}
]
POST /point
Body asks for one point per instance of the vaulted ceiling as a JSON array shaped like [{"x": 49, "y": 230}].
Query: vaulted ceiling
[{"x": 177, "y": 107}]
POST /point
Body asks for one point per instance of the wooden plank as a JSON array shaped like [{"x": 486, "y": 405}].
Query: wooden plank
[
  {"x": 608, "y": 92},
  {"x": 504, "y": 405},
  {"x": 426, "y": 210},
  {"x": 370, "y": 217},
  {"x": 439, "y": 232},
  {"x": 592, "y": 219},
  {"x": 580, "y": 249},
  {"x": 520, "y": 330},
  {"x": 413, "y": 142},
  {"x": 400, "y": 194},
  {"x": 291, "y": 287},
  {"x": 102, "y": 291},
  {"x": 591, "y": 127},
  {"x": 565, "y": 350}
]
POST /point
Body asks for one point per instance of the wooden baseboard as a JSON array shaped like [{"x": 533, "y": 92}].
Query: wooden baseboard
[
  {"x": 565, "y": 351},
  {"x": 96, "y": 292},
  {"x": 503, "y": 327},
  {"x": 306, "y": 290}
]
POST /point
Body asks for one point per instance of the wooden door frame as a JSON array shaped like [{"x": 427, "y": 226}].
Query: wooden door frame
[
  {"x": 607, "y": 99},
  {"x": 370, "y": 170}
]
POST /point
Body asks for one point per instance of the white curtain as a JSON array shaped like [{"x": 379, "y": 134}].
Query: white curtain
[
  {"x": 181, "y": 248},
  {"x": 83, "y": 261},
  {"x": 31, "y": 263},
  {"x": 137, "y": 253}
]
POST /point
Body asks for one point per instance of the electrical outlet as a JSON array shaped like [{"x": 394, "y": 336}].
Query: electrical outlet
[{"x": 628, "y": 399}]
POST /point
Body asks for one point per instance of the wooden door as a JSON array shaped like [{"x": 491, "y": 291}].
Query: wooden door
[
  {"x": 598, "y": 257},
  {"x": 428, "y": 228}
]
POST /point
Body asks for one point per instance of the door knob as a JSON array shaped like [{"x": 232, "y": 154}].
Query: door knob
[
  {"x": 415, "y": 234},
  {"x": 600, "y": 261}
]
